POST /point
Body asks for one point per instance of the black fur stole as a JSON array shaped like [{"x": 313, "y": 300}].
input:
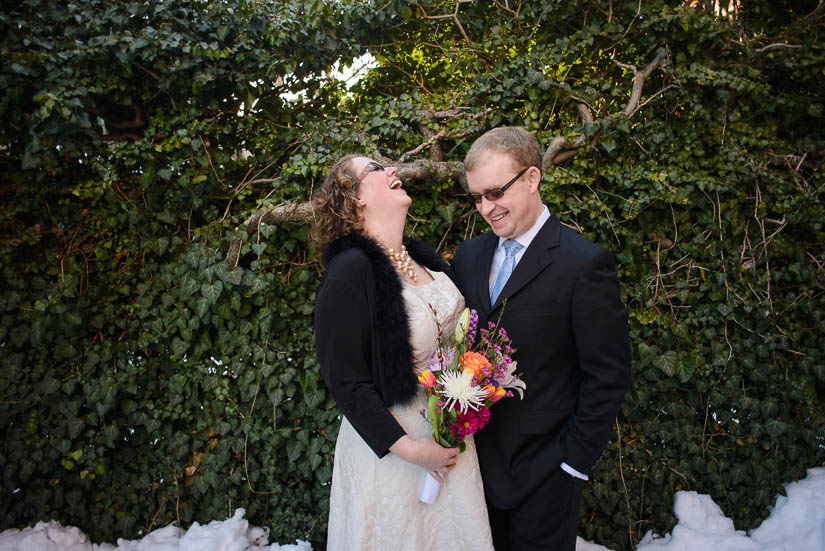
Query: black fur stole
[{"x": 390, "y": 325}]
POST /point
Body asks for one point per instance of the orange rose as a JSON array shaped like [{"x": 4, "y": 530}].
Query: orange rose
[{"x": 474, "y": 362}]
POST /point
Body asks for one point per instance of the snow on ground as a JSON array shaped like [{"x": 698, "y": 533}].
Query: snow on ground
[
  {"x": 796, "y": 523},
  {"x": 233, "y": 534}
]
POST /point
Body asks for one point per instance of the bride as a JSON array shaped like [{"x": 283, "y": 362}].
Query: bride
[{"x": 374, "y": 332}]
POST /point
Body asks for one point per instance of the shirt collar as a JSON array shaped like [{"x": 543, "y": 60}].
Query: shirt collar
[{"x": 527, "y": 237}]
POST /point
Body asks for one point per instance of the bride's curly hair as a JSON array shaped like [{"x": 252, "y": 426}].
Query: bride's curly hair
[{"x": 334, "y": 205}]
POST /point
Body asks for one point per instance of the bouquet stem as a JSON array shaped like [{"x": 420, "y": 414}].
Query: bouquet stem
[{"x": 429, "y": 489}]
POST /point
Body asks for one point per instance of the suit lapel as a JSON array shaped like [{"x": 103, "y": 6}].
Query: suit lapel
[
  {"x": 481, "y": 289},
  {"x": 536, "y": 258}
]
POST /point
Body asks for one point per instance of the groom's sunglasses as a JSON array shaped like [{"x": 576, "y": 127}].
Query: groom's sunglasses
[{"x": 495, "y": 193}]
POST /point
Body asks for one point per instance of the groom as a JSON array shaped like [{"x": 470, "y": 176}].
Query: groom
[{"x": 566, "y": 319}]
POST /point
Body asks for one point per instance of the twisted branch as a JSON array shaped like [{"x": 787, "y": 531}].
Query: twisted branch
[
  {"x": 453, "y": 16},
  {"x": 561, "y": 149},
  {"x": 433, "y": 138},
  {"x": 437, "y": 171}
]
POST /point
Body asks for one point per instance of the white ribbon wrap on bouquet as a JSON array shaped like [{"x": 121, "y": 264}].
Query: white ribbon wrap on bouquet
[{"x": 429, "y": 488}]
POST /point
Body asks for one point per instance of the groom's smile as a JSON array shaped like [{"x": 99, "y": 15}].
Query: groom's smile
[{"x": 505, "y": 195}]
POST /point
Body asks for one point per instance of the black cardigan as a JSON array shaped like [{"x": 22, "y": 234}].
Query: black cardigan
[{"x": 362, "y": 335}]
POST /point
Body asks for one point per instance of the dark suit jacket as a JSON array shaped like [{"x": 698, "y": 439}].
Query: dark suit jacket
[{"x": 565, "y": 317}]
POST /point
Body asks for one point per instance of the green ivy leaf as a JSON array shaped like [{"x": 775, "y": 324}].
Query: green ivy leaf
[
  {"x": 314, "y": 397},
  {"x": 167, "y": 217},
  {"x": 49, "y": 386},
  {"x": 685, "y": 367},
  {"x": 229, "y": 274},
  {"x": 179, "y": 347},
  {"x": 608, "y": 145},
  {"x": 294, "y": 448},
  {"x": 161, "y": 245},
  {"x": 667, "y": 362},
  {"x": 74, "y": 425},
  {"x": 108, "y": 436},
  {"x": 774, "y": 428},
  {"x": 211, "y": 291},
  {"x": 202, "y": 307}
]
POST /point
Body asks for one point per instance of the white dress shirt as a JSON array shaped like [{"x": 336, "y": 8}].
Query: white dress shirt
[
  {"x": 524, "y": 240},
  {"x": 498, "y": 260}
]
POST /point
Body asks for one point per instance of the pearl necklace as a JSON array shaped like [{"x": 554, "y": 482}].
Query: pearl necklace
[{"x": 403, "y": 262}]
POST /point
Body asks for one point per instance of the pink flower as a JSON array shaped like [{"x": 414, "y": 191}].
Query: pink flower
[{"x": 471, "y": 422}]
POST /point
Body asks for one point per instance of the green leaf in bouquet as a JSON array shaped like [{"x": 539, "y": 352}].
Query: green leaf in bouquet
[{"x": 436, "y": 418}]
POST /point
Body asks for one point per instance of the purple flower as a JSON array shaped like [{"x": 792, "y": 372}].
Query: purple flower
[{"x": 471, "y": 331}]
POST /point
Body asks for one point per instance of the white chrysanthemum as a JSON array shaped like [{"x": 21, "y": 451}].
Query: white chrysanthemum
[{"x": 459, "y": 388}]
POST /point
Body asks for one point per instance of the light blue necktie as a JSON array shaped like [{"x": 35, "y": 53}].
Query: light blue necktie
[{"x": 511, "y": 249}]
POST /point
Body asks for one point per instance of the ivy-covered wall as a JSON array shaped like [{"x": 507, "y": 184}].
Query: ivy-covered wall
[{"x": 156, "y": 339}]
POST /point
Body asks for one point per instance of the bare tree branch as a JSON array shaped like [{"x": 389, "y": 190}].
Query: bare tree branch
[
  {"x": 453, "y": 16},
  {"x": 456, "y": 113},
  {"x": 432, "y": 142},
  {"x": 561, "y": 149},
  {"x": 776, "y": 46},
  {"x": 296, "y": 213},
  {"x": 584, "y": 113},
  {"x": 285, "y": 212},
  {"x": 301, "y": 213},
  {"x": 558, "y": 151},
  {"x": 639, "y": 78},
  {"x": 436, "y": 155},
  {"x": 651, "y": 98},
  {"x": 818, "y": 12},
  {"x": 436, "y": 171},
  {"x": 420, "y": 170}
]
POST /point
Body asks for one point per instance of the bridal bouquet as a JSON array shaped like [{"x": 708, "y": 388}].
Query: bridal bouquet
[{"x": 464, "y": 379}]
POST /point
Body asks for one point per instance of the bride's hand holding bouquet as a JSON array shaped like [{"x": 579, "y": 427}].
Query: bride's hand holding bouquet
[{"x": 463, "y": 380}]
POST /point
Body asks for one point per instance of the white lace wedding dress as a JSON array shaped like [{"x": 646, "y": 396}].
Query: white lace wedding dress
[{"x": 374, "y": 502}]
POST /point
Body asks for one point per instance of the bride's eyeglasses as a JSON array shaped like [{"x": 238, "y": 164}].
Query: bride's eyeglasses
[
  {"x": 495, "y": 193},
  {"x": 372, "y": 166}
]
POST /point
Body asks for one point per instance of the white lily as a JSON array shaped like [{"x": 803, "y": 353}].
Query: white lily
[
  {"x": 509, "y": 380},
  {"x": 462, "y": 326}
]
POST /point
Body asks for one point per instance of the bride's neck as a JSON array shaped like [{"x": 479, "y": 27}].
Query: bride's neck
[{"x": 389, "y": 235}]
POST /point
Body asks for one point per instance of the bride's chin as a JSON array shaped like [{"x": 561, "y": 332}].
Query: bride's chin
[{"x": 404, "y": 205}]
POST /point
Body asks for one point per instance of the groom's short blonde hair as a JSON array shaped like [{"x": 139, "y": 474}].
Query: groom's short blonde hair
[{"x": 514, "y": 141}]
